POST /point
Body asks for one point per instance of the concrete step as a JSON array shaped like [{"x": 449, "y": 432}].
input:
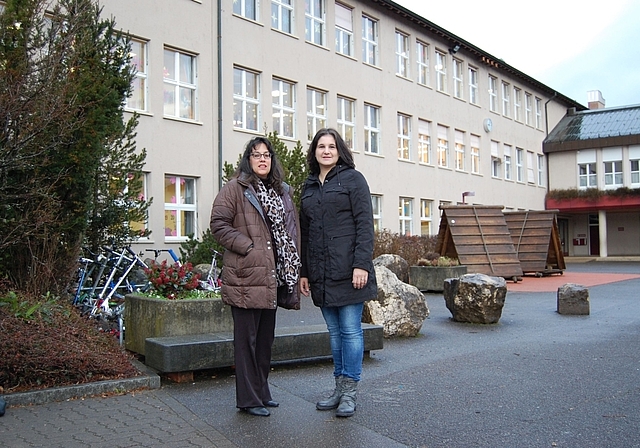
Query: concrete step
[{"x": 214, "y": 350}]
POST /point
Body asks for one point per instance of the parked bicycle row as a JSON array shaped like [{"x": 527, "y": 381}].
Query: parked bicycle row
[{"x": 105, "y": 278}]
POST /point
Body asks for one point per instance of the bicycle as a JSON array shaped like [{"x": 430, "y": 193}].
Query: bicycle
[{"x": 213, "y": 282}]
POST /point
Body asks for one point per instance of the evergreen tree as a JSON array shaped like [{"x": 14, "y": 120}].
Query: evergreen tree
[{"x": 63, "y": 139}]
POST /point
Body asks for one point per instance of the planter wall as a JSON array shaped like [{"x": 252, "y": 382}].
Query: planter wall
[
  {"x": 146, "y": 317},
  {"x": 431, "y": 278}
]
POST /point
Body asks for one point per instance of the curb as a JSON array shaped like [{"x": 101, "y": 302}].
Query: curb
[{"x": 148, "y": 380}]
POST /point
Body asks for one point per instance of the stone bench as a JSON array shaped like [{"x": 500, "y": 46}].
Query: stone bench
[{"x": 184, "y": 354}]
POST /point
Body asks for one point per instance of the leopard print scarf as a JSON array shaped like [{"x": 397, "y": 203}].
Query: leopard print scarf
[{"x": 288, "y": 261}]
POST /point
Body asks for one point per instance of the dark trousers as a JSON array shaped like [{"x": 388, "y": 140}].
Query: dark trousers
[{"x": 253, "y": 334}]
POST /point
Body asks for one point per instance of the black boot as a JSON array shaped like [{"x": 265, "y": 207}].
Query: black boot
[
  {"x": 334, "y": 400},
  {"x": 347, "y": 405}
]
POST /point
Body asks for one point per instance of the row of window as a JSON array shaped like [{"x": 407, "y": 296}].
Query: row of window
[
  {"x": 512, "y": 165},
  {"x": 522, "y": 106},
  {"x": 613, "y": 174}
]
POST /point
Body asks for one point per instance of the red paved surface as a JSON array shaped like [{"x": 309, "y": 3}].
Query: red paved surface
[{"x": 551, "y": 283}]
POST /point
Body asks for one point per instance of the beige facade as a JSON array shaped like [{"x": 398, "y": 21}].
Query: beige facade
[{"x": 421, "y": 100}]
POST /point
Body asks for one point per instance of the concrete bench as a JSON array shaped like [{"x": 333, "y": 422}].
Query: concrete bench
[{"x": 207, "y": 351}]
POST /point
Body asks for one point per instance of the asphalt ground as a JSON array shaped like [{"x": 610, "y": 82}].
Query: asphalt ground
[{"x": 535, "y": 379}]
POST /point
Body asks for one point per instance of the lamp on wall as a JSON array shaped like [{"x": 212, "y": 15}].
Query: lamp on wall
[
  {"x": 467, "y": 193},
  {"x": 454, "y": 49}
]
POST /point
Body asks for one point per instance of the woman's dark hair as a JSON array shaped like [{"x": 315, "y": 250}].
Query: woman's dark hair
[
  {"x": 344, "y": 153},
  {"x": 276, "y": 174}
]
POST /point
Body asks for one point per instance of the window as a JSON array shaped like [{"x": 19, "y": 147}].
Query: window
[
  {"x": 493, "y": 94},
  {"x": 424, "y": 142},
  {"x": 426, "y": 216},
  {"x": 282, "y": 15},
  {"x": 635, "y": 172},
  {"x": 406, "y": 216},
  {"x": 495, "y": 159},
  {"x": 531, "y": 177},
  {"x": 517, "y": 104},
  {"x": 460, "y": 150},
  {"x": 138, "y": 98},
  {"x": 475, "y": 154},
  {"x": 283, "y": 102},
  {"x": 441, "y": 72},
  {"x": 371, "y": 129},
  {"x": 541, "y": 170},
  {"x": 505, "y": 99},
  {"x": 347, "y": 120},
  {"x": 507, "y": 163},
  {"x": 613, "y": 174},
  {"x": 443, "y": 146},
  {"x": 179, "y": 207},
  {"x": 369, "y": 41},
  {"x": 423, "y": 63},
  {"x": 246, "y": 101},
  {"x": 473, "y": 85},
  {"x": 587, "y": 175},
  {"x": 404, "y": 137},
  {"x": 344, "y": 30},
  {"x": 458, "y": 82},
  {"x": 179, "y": 84},
  {"x": 316, "y": 112},
  {"x": 538, "y": 113},
  {"x": 528, "y": 109},
  {"x": 519, "y": 165},
  {"x": 402, "y": 54},
  {"x": 376, "y": 205},
  {"x": 246, "y": 8},
  {"x": 314, "y": 21}
]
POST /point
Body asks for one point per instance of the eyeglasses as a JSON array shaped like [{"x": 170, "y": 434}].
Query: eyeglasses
[{"x": 258, "y": 155}]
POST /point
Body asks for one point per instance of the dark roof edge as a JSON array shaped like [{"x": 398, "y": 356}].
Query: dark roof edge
[
  {"x": 576, "y": 145},
  {"x": 483, "y": 56}
]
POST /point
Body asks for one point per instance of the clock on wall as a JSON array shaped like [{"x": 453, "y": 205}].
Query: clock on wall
[{"x": 488, "y": 124}]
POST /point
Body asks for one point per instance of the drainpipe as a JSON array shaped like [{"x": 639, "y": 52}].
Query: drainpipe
[
  {"x": 546, "y": 125},
  {"x": 219, "y": 94}
]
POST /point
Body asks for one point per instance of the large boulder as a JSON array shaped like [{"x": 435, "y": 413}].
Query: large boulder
[
  {"x": 396, "y": 264},
  {"x": 573, "y": 299},
  {"x": 475, "y": 298},
  {"x": 400, "y": 308}
]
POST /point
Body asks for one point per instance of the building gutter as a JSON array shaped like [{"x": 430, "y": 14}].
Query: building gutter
[{"x": 219, "y": 32}]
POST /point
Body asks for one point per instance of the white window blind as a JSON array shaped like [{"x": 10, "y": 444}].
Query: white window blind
[
  {"x": 343, "y": 17},
  {"x": 586, "y": 156},
  {"x": 611, "y": 154}
]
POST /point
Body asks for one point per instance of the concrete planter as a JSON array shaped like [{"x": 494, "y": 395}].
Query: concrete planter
[
  {"x": 431, "y": 278},
  {"x": 146, "y": 317}
]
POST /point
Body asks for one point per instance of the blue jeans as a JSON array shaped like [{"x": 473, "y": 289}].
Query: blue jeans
[{"x": 347, "y": 340}]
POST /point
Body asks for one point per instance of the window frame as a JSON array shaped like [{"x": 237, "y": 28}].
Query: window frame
[
  {"x": 441, "y": 71},
  {"x": 376, "y": 207},
  {"x": 424, "y": 144},
  {"x": 371, "y": 129},
  {"x": 426, "y": 216},
  {"x": 508, "y": 172},
  {"x": 180, "y": 208},
  {"x": 519, "y": 165},
  {"x": 590, "y": 175},
  {"x": 346, "y": 122},
  {"x": 422, "y": 62},
  {"x": 443, "y": 147},
  {"x": 280, "y": 110},
  {"x": 460, "y": 150},
  {"x": 506, "y": 99},
  {"x": 473, "y": 85},
  {"x": 405, "y": 220},
  {"x": 278, "y": 10},
  {"x": 140, "y": 82},
  {"x": 343, "y": 33},
  {"x": 540, "y": 164},
  {"x": 369, "y": 40},
  {"x": 316, "y": 120},
  {"x": 493, "y": 93},
  {"x": 474, "y": 151},
  {"x": 313, "y": 18},
  {"x": 517, "y": 104},
  {"x": 457, "y": 66},
  {"x": 402, "y": 54},
  {"x": 244, "y": 101},
  {"x": 404, "y": 136},
  {"x": 178, "y": 85},
  {"x": 528, "y": 109},
  {"x": 613, "y": 178},
  {"x": 242, "y": 11}
]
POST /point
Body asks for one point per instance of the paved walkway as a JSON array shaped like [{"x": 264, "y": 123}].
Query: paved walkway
[{"x": 535, "y": 379}]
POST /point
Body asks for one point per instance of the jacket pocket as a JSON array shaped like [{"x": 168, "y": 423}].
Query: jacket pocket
[{"x": 341, "y": 255}]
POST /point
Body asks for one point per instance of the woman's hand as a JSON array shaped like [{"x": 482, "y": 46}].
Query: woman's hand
[
  {"x": 304, "y": 286},
  {"x": 360, "y": 277}
]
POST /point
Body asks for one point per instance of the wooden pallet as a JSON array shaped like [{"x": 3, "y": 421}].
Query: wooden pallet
[
  {"x": 537, "y": 241},
  {"x": 479, "y": 238}
]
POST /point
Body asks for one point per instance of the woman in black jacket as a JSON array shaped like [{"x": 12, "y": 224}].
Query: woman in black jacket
[{"x": 336, "y": 223}]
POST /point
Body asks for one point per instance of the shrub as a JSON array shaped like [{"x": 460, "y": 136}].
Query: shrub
[
  {"x": 197, "y": 252},
  {"x": 434, "y": 259},
  {"x": 411, "y": 248},
  {"x": 172, "y": 281}
]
